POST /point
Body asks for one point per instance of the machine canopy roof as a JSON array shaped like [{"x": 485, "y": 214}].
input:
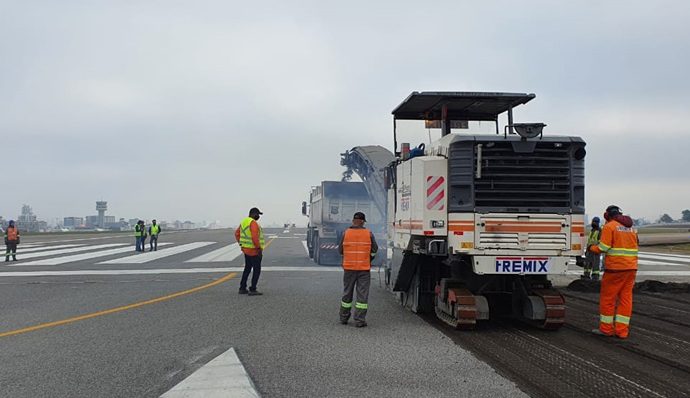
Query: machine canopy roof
[{"x": 427, "y": 105}]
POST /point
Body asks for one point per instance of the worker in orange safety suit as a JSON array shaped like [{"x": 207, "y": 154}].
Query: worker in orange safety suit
[
  {"x": 619, "y": 243},
  {"x": 358, "y": 247}
]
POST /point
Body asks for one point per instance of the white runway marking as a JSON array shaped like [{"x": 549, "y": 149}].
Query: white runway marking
[
  {"x": 642, "y": 273},
  {"x": 80, "y": 257},
  {"x": 223, "y": 376},
  {"x": 661, "y": 255},
  {"x": 151, "y": 256},
  {"x": 657, "y": 262},
  {"x": 167, "y": 271},
  {"x": 306, "y": 248},
  {"x": 23, "y": 249},
  {"x": 226, "y": 253},
  {"x": 82, "y": 239},
  {"x": 65, "y": 251}
]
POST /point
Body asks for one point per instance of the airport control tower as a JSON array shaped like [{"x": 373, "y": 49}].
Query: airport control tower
[{"x": 101, "y": 207}]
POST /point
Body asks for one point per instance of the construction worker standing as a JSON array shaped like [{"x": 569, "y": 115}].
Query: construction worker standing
[
  {"x": 154, "y": 230},
  {"x": 358, "y": 247},
  {"x": 592, "y": 259},
  {"x": 138, "y": 233},
  {"x": 250, "y": 236},
  {"x": 619, "y": 243},
  {"x": 11, "y": 241}
]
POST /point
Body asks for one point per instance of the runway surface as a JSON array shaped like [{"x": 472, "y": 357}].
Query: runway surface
[{"x": 87, "y": 316}]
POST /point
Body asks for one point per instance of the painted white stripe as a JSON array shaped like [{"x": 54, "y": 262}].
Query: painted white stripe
[
  {"x": 643, "y": 273},
  {"x": 287, "y": 237},
  {"x": 151, "y": 256},
  {"x": 306, "y": 248},
  {"x": 663, "y": 263},
  {"x": 300, "y": 234},
  {"x": 666, "y": 254},
  {"x": 223, "y": 376},
  {"x": 82, "y": 239},
  {"x": 226, "y": 253},
  {"x": 80, "y": 257},
  {"x": 173, "y": 271},
  {"x": 668, "y": 257},
  {"x": 23, "y": 249},
  {"x": 65, "y": 251}
]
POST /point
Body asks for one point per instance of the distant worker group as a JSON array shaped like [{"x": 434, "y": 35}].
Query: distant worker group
[{"x": 141, "y": 233}]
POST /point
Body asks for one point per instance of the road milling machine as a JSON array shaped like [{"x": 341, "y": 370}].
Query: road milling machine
[{"x": 478, "y": 221}]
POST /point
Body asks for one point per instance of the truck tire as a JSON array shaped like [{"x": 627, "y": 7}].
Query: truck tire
[{"x": 317, "y": 250}]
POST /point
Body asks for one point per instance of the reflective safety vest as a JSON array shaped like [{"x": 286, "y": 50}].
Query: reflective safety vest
[
  {"x": 357, "y": 249},
  {"x": 12, "y": 233},
  {"x": 155, "y": 229},
  {"x": 246, "y": 234},
  {"x": 593, "y": 237},
  {"x": 619, "y": 244},
  {"x": 137, "y": 230}
]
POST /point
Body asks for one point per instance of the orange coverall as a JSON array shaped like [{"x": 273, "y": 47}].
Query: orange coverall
[{"x": 620, "y": 245}]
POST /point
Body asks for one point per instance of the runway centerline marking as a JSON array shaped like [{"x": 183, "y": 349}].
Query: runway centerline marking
[{"x": 118, "y": 309}]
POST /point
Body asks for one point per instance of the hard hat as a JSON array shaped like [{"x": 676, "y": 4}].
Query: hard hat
[
  {"x": 596, "y": 220},
  {"x": 612, "y": 211}
]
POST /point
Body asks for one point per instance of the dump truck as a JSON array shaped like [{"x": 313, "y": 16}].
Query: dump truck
[
  {"x": 330, "y": 209},
  {"x": 478, "y": 221}
]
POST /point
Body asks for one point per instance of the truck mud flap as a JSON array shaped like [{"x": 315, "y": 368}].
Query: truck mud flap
[{"x": 408, "y": 268}]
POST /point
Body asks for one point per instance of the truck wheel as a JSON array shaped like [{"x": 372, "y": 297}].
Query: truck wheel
[
  {"x": 318, "y": 257},
  {"x": 317, "y": 250}
]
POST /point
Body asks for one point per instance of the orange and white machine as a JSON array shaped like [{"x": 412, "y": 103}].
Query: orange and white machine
[{"x": 478, "y": 221}]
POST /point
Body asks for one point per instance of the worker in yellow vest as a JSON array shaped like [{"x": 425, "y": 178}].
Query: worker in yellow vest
[
  {"x": 592, "y": 259},
  {"x": 154, "y": 230},
  {"x": 358, "y": 247},
  {"x": 250, "y": 236}
]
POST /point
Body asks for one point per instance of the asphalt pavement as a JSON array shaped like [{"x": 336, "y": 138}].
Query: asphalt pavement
[{"x": 76, "y": 333}]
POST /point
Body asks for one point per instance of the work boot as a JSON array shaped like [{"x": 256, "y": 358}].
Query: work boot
[
  {"x": 14, "y": 258},
  {"x": 255, "y": 293},
  {"x": 360, "y": 324},
  {"x": 595, "y": 277},
  {"x": 600, "y": 333},
  {"x": 244, "y": 291},
  {"x": 7, "y": 259}
]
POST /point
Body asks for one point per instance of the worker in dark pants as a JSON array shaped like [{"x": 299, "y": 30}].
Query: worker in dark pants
[
  {"x": 11, "y": 241},
  {"x": 250, "y": 236},
  {"x": 592, "y": 259},
  {"x": 154, "y": 230},
  {"x": 358, "y": 247}
]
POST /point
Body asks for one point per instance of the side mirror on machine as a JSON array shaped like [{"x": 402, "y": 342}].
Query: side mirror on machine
[{"x": 304, "y": 208}]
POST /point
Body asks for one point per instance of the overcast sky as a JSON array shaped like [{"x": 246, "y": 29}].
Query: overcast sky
[{"x": 202, "y": 109}]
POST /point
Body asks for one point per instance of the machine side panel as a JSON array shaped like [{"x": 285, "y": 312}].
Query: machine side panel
[{"x": 429, "y": 196}]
